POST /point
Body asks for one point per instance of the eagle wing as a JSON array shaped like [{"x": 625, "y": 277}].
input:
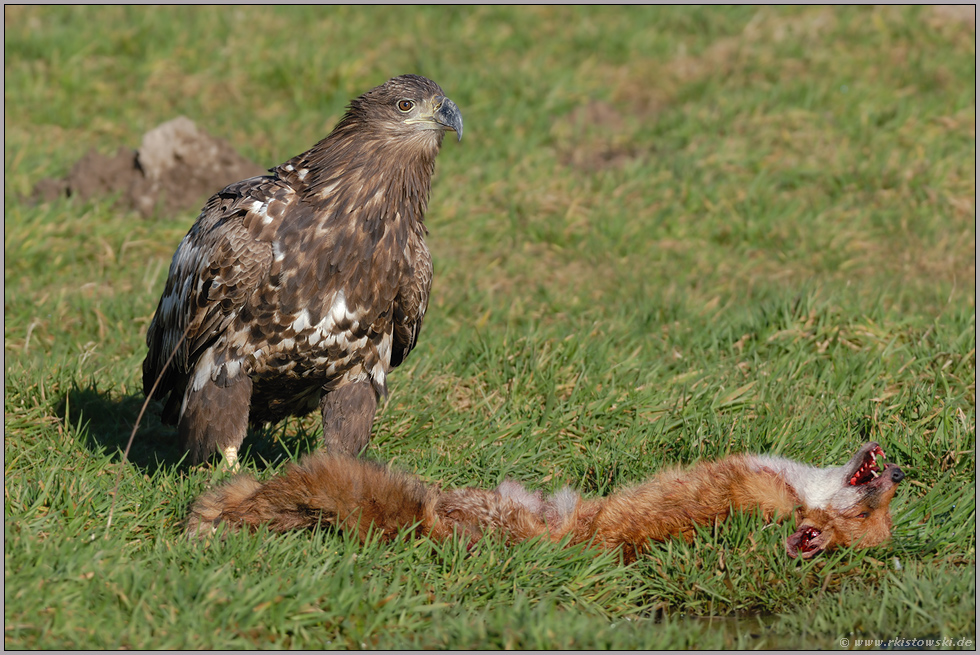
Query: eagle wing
[
  {"x": 411, "y": 304},
  {"x": 221, "y": 261}
]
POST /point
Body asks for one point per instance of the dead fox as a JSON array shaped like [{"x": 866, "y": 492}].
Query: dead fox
[{"x": 836, "y": 506}]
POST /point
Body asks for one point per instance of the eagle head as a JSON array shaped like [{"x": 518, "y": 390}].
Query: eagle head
[{"x": 407, "y": 106}]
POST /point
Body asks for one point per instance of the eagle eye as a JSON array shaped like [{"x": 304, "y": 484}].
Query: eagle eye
[{"x": 405, "y": 105}]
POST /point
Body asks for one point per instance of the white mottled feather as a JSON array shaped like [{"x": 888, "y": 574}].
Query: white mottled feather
[{"x": 302, "y": 322}]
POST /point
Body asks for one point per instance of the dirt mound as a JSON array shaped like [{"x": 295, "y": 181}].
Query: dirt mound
[
  {"x": 594, "y": 137},
  {"x": 177, "y": 167}
]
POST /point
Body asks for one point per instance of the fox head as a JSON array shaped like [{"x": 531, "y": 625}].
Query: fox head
[{"x": 857, "y": 513}]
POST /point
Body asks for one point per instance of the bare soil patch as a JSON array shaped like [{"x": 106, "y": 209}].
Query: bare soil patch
[
  {"x": 176, "y": 168},
  {"x": 593, "y": 137},
  {"x": 963, "y": 14}
]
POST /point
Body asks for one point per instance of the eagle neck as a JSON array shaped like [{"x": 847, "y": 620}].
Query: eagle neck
[{"x": 367, "y": 176}]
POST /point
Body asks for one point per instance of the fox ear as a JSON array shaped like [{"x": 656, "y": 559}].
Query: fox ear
[{"x": 793, "y": 544}]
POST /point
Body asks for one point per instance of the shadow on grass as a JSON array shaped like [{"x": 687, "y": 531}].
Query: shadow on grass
[{"x": 103, "y": 420}]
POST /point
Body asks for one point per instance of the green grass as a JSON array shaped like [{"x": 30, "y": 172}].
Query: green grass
[{"x": 668, "y": 234}]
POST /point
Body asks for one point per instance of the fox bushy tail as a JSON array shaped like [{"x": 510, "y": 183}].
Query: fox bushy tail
[{"x": 351, "y": 494}]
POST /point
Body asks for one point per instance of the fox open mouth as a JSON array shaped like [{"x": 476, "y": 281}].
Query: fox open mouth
[
  {"x": 869, "y": 469},
  {"x": 806, "y": 546}
]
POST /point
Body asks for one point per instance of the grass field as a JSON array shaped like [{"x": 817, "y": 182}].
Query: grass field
[{"x": 668, "y": 234}]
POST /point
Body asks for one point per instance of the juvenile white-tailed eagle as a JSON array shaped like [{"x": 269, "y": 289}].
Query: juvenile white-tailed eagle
[{"x": 304, "y": 287}]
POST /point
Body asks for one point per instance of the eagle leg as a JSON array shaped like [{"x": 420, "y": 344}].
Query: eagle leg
[
  {"x": 215, "y": 418},
  {"x": 348, "y": 415}
]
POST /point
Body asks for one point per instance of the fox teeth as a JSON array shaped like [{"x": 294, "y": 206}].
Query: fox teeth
[{"x": 874, "y": 473}]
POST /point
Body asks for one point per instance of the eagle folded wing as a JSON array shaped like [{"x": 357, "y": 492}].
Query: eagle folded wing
[
  {"x": 410, "y": 306},
  {"x": 223, "y": 260}
]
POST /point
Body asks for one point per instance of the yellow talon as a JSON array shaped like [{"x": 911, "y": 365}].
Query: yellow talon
[{"x": 231, "y": 458}]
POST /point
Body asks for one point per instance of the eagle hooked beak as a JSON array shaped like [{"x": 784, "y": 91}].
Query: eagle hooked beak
[
  {"x": 444, "y": 113},
  {"x": 447, "y": 114}
]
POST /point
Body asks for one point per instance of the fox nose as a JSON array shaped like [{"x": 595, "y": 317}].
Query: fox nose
[{"x": 897, "y": 475}]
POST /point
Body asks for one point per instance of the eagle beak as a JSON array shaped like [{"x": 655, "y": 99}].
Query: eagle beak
[{"x": 447, "y": 114}]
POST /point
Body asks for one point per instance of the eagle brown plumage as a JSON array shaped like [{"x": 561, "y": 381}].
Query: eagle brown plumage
[{"x": 307, "y": 286}]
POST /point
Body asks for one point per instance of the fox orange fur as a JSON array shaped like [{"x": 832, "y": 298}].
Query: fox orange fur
[{"x": 837, "y": 506}]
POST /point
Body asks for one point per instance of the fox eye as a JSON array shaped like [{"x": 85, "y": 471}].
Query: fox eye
[
  {"x": 862, "y": 515},
  {"x": 405, "y": 105}
]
